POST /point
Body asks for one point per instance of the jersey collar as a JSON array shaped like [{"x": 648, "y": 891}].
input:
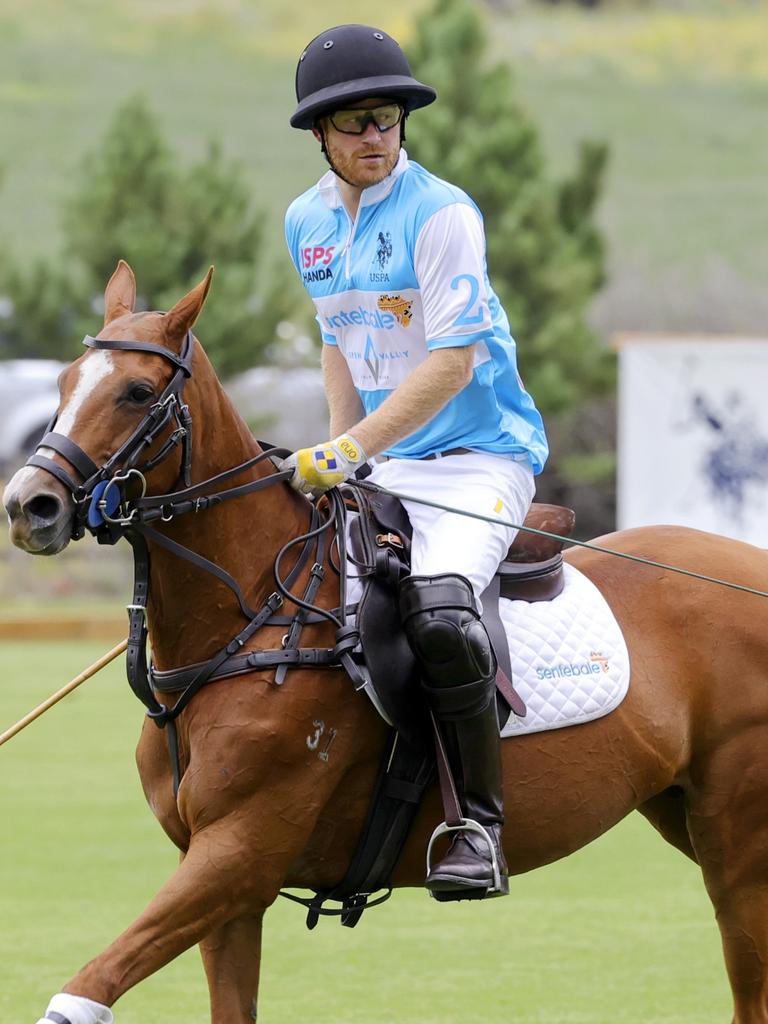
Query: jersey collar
[{"x": 328, "y": 186}]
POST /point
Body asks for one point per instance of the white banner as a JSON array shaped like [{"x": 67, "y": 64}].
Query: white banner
[{"x": 693, "y": 434}]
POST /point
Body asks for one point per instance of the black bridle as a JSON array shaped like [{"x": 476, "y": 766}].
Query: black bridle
[
  {"x": 101, "y": 493},
  {"x": 104, "y": 508}
]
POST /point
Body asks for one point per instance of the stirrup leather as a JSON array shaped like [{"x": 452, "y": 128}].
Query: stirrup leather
[{"x": 469, "y": 825}]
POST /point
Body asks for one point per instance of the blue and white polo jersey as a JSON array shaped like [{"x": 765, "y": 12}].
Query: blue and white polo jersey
[{"x": 409, "y": 276}]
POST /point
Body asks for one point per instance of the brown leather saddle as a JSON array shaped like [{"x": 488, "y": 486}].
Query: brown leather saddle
[{"x": 380, "y": 539}]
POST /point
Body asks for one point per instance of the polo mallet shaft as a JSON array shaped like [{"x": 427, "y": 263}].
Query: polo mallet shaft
[{"x": 73, "y": 684}]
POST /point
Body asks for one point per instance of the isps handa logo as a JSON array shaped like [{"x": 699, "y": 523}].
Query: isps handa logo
[
  {"x": 596, "y": 665},
  {"x": 399, "y": 307},
  {"x": 314, "y": 263}
]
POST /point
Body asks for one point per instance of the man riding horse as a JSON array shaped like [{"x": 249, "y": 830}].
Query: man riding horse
[{"x": 420, "y": 373}]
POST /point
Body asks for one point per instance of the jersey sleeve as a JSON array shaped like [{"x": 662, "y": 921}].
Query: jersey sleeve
[
  {"x": 292, "y": 234},
  {"x": 449, "y": 260},
  {"x": 325, "y": 334}
]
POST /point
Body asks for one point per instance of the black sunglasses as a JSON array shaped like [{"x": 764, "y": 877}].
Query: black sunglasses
[{"x": 354, "y": 122}]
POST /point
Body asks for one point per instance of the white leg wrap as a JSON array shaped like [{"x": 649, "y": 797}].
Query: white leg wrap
[{"x": 78, "y": 1010}]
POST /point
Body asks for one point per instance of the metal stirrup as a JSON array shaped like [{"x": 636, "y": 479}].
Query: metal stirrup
[{"x": 468, "y": 825}]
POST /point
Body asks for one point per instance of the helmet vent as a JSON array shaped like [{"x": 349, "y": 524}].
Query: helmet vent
[
  {"x": 377, "y": 35},
  {"x": 327, "y": 44}
]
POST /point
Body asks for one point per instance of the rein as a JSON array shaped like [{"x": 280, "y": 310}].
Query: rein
[
  {"x": 103, "y": 507},
  {"x": 377, "y": 489}
]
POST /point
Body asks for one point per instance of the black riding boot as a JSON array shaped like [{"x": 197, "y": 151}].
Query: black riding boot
[
  {"x": 473, "y": 748},
  {"x": 443, "y": 626}
]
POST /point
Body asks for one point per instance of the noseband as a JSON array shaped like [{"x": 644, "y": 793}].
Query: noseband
[
  {"x": 100, "y": 502},
  {"x": 102, "y": 507}
]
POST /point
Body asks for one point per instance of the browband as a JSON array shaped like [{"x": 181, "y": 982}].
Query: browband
[{"x": 184, "y": 361}]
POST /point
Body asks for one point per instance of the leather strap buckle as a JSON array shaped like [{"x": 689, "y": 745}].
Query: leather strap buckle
[{"x": 389, "y": 538}]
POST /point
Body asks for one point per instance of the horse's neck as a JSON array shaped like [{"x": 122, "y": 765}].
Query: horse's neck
[{"x": 192, "y": 614}]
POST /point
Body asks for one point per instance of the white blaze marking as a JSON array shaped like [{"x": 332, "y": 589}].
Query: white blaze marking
[{"x": 92, "y": 372}]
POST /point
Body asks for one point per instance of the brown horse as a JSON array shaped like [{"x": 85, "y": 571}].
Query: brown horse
[{"x": 257, "y": 810}]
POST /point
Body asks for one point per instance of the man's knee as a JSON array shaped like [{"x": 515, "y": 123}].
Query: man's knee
[{"x": 443, "y": 626}]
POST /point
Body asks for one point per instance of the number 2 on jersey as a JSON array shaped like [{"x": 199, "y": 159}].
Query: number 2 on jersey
[{"x": 464, "y": 319}]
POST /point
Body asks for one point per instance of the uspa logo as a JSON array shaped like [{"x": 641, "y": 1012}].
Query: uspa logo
[{"x": 383, "y": 249}]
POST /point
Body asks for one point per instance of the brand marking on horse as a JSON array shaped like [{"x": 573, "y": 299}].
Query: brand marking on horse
[
  {"x": 323, "y": 755},
  {"x": 313, "y": 742}
]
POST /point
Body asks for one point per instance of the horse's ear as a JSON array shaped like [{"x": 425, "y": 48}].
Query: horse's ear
[
  {"x": 181, "y": 318},
  {"x": 120, "y": 293}
]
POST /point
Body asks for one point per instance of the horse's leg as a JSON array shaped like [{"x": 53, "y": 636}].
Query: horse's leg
[
  {"x": 217, "y": 881},
  {"x": 667, "y": 813},
  {"x": 727, "y": 824},
  {"x": 231, "y": 956}
]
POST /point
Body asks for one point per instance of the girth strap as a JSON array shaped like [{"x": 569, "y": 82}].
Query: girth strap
[{"x": 173, "y": 680}]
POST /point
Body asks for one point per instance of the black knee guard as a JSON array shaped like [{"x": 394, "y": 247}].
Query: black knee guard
[{"x": 443, "y": 626}]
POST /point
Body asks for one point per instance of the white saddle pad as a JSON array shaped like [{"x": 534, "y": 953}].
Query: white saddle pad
[{"x": 570, "y": 663}]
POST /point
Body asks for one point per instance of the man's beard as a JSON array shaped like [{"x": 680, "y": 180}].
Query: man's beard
[{"x": 347, "y": 167}]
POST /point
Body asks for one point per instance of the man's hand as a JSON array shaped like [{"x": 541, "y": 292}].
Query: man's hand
[{"x": 317, "y": 469}]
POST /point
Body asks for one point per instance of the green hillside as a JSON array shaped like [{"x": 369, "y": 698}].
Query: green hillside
[{"x": 679, "y": 91}]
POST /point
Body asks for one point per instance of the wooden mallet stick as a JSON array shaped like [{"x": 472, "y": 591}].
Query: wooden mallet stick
[{"x": 73, "y": 684}]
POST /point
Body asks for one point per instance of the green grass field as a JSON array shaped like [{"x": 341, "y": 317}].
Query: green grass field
[{"x": 621, "y": 933}]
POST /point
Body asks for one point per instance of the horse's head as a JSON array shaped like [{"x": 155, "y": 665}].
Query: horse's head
[{"x": 120, "y": 404}]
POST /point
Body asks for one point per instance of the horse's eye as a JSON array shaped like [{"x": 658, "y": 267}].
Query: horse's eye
[{"x": 140, "y": 393}]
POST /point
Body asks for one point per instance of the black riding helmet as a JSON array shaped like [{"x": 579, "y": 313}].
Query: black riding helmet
[{"x": 349, "y": 63}]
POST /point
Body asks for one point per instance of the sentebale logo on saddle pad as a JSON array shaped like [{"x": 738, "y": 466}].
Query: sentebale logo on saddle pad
[{"x": 596, "y": 664}]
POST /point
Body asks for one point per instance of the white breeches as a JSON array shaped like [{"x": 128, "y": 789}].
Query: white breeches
[{"x": 444, "y": 542}]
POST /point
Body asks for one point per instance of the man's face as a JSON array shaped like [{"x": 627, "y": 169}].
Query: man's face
[{"x": 366, "y": 159}]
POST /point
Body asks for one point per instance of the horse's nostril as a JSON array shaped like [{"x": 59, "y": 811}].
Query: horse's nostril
[{"x": 43, "y": 507}]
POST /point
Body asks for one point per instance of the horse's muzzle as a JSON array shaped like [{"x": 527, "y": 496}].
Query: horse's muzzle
[{"x": 39, "y": 511}]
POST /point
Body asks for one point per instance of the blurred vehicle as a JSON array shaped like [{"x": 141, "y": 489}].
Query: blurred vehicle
[
  {"x": 29, "y": 396},
  {"x": 285, "y": 407}
]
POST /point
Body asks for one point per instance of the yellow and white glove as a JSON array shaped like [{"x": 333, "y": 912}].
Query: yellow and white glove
[{"x": 317, "y": 469}]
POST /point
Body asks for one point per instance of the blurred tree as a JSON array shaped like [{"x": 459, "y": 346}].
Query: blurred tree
[
  {"x": 41, "y": 318},
  {"x": 545, "y": 254},
  {"x": 137, "y": 200}
]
